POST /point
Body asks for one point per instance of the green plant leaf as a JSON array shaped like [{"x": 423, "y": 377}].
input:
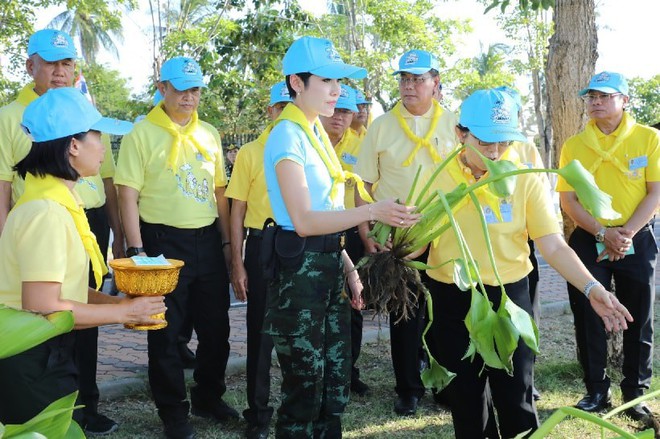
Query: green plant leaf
[
  {"x": 525, "y": 325},
  {"x": 504, "y": 186},
  {"x": 594, "y": 200},
  {"x": 436, "y": 376},
  {"x": 52, "y": 422},
  {"x": 479, "y": 323},
  {"x": 506, "y": 336},
  {"x": 21, "y": 330},
  {"x": 465, "y": 275}
]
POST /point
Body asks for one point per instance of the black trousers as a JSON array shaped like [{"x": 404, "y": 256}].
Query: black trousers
[
  {"x": 406, "y": 346},
  {"x": 634, "y": 276},
  {"x": 259, "y": 345},
  {"x": 533, "y": 278},
  {"x": 203, "y": 290},
  {"x": 355, "y": 250},
  {"x": 86, "y": 345},
  {"x": 474, "y": 394},
  {"x": 33, "y": 379}
]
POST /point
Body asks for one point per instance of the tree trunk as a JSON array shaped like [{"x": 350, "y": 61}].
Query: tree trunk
[{"x": 571, "y": 64}]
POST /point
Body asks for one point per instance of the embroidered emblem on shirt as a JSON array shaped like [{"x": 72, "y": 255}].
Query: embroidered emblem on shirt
[{"x": 190, "y": 187}]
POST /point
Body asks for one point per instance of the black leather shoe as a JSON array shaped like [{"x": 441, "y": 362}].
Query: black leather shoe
[
  {"x": 257, "y": 431},
  {"x": 639, "y": 412},
  {"x": 359, "y": 388},
  {"x": 406, "y": 405},
  {"x": 595, "y": 402},
  {"x": 179, "y": 430},
  {"x": 97, "y": 424},
  {"x": 535, "y": 394},
  {"x": 218, "y": 410}
]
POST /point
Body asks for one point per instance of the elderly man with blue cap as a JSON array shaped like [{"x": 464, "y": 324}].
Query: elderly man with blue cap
[
  {"x": 171, "y": 179},
  {"x": 250, "y": 210},
  {"x": 51, "y": 64},
  {"x": 488, "y": 126},
  {"x": 47, "y": 247},
  {"x": 308, "y": 314},
  {"x": 416, "y": 132},
  {"x": 624, "y": 158},
  {"x": 361, "y": 118}
]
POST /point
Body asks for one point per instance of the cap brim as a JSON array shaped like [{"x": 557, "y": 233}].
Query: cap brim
[
  {"x": 183, "y": 84},
  {"x": 56, "y": 55},
  {"x": 340, "y": 70},
  {"x": 497, "y": 134},
  {"x": 112, "y": 126},
  {"x": 413, "y": 70},
  {"x": 601, "y": 89},
  {"x": 353, "y": 108}
]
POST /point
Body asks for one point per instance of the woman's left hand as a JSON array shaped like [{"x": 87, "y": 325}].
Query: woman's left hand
[
  {"x": 356, "y": 287},
  {"x": 615, "y": 316}
]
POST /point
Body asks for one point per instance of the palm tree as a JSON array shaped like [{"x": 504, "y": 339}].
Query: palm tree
[
  {"x": 491, "y": 60},
  {"x": 92, "y": 29}
]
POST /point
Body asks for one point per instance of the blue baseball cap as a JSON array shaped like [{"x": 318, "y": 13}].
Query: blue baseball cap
[
  {"x": 182, "y": 72},
  {"x": 52, "y": 45},
  {"x": 279, "y": 93},
  {"x": 492, "y": 116},
  {"x": 319, "y": 57},
  {"x": 513, "y": 93},
  {"x": 360, "y": 98},
  {"x": 157, "y": 97},
  {"x": 607, "y": 82},
  {"x": 62, "y": 112},
  {"x": 346, "y": 99},
  {"x": 417, "y": 62}
]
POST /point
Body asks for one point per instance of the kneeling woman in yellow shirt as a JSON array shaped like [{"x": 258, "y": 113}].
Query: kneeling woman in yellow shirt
[
  {"x": 46, "y": 248},
  {"x": 488, "y": 124}
]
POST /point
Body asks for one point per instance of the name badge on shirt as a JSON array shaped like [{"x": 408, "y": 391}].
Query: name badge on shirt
[
  {"x": 199, "y": 157},
  {"x": 349, "y": 159},
  {"x": 505, "y": 210},
  {"x": 638, "y": 162}
]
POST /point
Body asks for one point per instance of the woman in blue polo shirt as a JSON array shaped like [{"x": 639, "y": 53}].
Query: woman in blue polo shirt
[{"x": 308, "y": 312}]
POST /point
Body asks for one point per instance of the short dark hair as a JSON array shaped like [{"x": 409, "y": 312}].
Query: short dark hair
[
  {"x": 462, "y": 129},
  {"x": 50, "y": 158},
  {"x": 305, "y": 79}
]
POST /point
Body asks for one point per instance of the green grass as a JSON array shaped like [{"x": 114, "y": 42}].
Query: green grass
[{"x": 558, "y": 377}]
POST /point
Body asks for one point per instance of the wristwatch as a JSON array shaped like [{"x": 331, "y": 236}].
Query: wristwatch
[
  {"x": 132, "y": 251},
  {"x": 600, "y": 236}
]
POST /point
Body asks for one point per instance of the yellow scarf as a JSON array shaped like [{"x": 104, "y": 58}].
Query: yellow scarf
[
  {"x": 52, "y": 188},
  {"x": 590, "y": 138},
  {"x": 263, "y": 137},
  {"x": 157, "y": 116},
  {"x": 420, "y": 141},
  {"x": 27, "y": 95},
  {"x": 325, "y": 150}
]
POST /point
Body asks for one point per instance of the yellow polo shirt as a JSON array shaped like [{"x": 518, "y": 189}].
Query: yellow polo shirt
[
  {"x": 528, "y": 154},
  {"x": 639, "y": 154},
  {"x": 248, "y": 182},
  {"x": 347, "y": 150},
  {"x": 386, "y": 147},
  {"x": 183, "y": 197},
  {"x": 530, "y": 213},
  {"x": 14, "y": 143},
  {"x": 40, "y": 243},
  {"x": 91, "y": 189},
  {"x": 359, "y": 133}
]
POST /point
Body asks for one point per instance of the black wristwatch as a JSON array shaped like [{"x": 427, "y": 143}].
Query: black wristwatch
[{"x": 132, "y": 251}]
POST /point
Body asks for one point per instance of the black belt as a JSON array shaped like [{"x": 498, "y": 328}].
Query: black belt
[
  {"x": 95, "y": 209},
  {"x": 333, "y": 242},
  {"x": 178, "y": 231},
  {"x": 256, "y": 233}
]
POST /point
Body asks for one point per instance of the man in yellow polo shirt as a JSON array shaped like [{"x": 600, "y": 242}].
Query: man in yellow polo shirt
[
  {"x": 624, "y": 158},
  {"x": 416, "y": 132},
  {"x": 250, "y": 209},
  {"x": 171, "y": 182},
  {"x": 347, "y": 145},
  {"x": 51, "y": 63},
  {"x": 361, "y": 118}
]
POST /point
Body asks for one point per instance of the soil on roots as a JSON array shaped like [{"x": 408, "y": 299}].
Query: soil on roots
[{"x": 390, "y": 286}]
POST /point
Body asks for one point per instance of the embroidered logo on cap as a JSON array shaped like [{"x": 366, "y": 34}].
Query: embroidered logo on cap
[
  {"x": 343, "y": 93},
  {"x": 59, "y": 41},
  {"x": 189, "y": 68},
  {"x": 603, "y": 77},
  {"x": 332, "y": 53},
  {"x": 500, "y": 115},
  {"x": 284, "y": 93},
  {"x": 360, "y": 96},
  {"x": 412, "y": 58}
]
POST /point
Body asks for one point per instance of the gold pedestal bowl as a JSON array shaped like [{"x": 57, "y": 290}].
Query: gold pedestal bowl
[{"x": 146, "y": 280}]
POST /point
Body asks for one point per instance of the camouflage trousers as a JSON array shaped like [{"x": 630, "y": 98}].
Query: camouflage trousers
[{"x": 308, "y": 317}]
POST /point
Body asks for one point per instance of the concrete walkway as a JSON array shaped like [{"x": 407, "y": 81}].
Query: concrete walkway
[{"x": 122, "y": 364}]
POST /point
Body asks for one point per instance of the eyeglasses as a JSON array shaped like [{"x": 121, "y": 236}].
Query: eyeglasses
[
  {"x": 589, "y": 98},
  {"x": 414, "y": 80},
  {"x": 502, "y": 145}
]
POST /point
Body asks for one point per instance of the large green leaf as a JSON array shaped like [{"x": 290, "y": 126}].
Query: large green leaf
[
  {"x": 436, "y": 376},
  {"x": 53, "y": 421},
  {"x": 594, "y": 200},
  {"x": 479, "y": 322},
  {"x": 504, "y": 186},
  {"x": 21, "y": 330},
  {"x": 525, "y": 325}
]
